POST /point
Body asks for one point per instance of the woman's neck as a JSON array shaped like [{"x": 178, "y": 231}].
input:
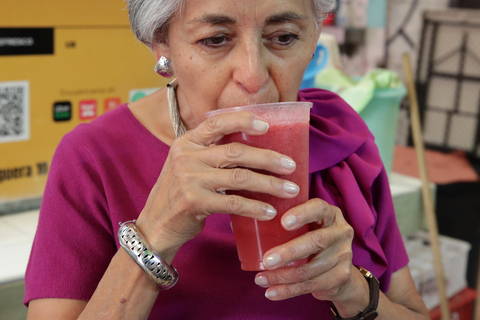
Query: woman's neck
[
  {"x": 187, "y": 115},
  {"x": 152, "y": 112}
]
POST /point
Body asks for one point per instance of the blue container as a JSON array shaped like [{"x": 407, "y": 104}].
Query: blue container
[{"x": 315, "y": 66}]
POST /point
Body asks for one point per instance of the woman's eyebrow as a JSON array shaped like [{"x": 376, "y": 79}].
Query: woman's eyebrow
[
  {"x": 284, "y": 17},
  {"x": 213, "y": 19},
  {"x": 224, "y": 19}
]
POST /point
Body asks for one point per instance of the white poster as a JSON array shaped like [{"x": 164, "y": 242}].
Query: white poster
[{"x": 14, "y": 111}]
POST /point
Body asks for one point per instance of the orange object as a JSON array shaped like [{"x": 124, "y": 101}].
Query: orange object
[
  {"x": 443, "y": 168},
  {"x": 461, "y": 306}
]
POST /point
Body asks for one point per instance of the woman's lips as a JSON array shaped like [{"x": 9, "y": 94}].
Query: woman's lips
[
  {"x": 247, "y": 103},
  {"x": 246, "y": 100}
]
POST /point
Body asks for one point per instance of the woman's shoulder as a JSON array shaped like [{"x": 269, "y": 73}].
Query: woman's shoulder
[
  {"x": 111, "y": 121},
  {"x": 114, "y": 135},
  {"x": 115, "y": 129}
]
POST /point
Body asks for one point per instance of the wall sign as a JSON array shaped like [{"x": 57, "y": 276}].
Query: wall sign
[
  {"x": 26, "y": 41},
  {"x": 62, "y": 111}
]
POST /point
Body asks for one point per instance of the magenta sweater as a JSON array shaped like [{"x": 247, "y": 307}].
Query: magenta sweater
[{"x": 102, "y": 173}]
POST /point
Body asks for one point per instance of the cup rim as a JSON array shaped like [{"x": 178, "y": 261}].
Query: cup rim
[{"x": 259, "y": 106}]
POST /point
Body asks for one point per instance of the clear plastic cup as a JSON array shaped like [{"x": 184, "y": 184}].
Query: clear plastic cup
[{"x": 288, "y": 134}]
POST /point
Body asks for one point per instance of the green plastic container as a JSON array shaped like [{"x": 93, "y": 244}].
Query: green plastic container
[{"x": 381, "y": 117}]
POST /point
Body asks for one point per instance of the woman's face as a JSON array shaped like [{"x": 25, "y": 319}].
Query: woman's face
[{"x": 229, "y": 53}]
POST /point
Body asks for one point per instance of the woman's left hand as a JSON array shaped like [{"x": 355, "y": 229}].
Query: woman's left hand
[{"x": 329, "y": 274}]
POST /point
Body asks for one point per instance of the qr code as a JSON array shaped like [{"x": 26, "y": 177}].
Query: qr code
[{"x": 14, "y": 111}]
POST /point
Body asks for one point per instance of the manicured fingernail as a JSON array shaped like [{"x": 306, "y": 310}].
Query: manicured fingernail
[
  {"x": 261, "y": 281},
  {"x": 270, "y": 211},
  {"x": 288, "y": 163},
  {"x": 270, "y": 294},
  {"x": 272, "y": 260},
  {"x": 289, "y": 221},
  {"x": 260, "y": 125},
  {"x": 290, "y": 187}
]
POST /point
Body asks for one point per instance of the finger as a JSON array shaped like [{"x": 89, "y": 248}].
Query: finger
[
  {"x": 245, "y": 179},
  {"x": 233, "y": 204},
  {"x": 325, "y": 286},
  {"x": 291, "y": 275},
  {"x": 313, "y": 211},
  {"x": 310, "y": 243},
  {"x": 240, "y": 155},
  {"x": 217, "y": 126},
  {"x": 318, "y": 263}
]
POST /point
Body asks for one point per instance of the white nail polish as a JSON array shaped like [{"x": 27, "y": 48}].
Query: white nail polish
[
  {"x": 272, "y": 260},
  {"x": 271, "y": 212},
  {"x": 288, "y": 163},
  {"x": 260, "y": 125},
  {"x": 261, "y": 281},
  {"x": 291, "y": 187},
  {"x": 289, "y": 221},
  {"x": 270, "y": 294}
]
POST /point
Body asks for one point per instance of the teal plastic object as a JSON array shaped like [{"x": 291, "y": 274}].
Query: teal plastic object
[
  {"x": 376, "y": 97},
  {"x": 318, "y": 63},
  {"x": 381, "y": 117}
]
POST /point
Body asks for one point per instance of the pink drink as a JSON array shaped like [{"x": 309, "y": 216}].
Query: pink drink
[{"x": 288, "y": 135}]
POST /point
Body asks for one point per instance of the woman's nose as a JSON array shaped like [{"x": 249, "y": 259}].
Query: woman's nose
[{"x": 252, "y": 70}]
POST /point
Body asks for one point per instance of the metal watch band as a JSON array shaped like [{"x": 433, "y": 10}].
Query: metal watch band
[
  {"x": 370, "y": 311},
  {"x": 131, "y": 239}
]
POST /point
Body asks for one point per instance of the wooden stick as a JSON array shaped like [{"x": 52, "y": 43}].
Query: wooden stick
[{"x": 426, "y": 193}]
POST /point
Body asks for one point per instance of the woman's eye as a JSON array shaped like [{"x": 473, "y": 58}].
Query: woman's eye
[
  {"x": 215, "y": 41},
  {"x": 285, "y": 39}
]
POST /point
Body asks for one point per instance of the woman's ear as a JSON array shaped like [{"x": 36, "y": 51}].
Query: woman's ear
[{"x": 161, "y": 50}]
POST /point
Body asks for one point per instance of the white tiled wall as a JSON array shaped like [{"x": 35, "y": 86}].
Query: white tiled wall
[{"x": 17, "y": 232}]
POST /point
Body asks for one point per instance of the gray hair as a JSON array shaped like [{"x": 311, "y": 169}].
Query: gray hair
[{"x": 149, "y": 19}]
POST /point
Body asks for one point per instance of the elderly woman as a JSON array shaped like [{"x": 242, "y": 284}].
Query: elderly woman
[{"x": 130, "y": 165}]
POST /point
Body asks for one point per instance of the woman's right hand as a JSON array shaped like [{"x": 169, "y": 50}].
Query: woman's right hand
[{"x": 195, "y": 173}]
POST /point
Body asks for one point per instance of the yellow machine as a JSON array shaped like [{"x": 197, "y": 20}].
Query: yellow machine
[{"x": 61, "y": 63}]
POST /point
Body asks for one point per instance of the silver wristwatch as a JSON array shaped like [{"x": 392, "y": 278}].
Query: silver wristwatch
[{"x": 131, "y": 239}]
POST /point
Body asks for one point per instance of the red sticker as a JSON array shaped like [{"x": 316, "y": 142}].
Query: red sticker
[
  {"x": 88, "y": 109},
  {"x": 112, "y": 103}
]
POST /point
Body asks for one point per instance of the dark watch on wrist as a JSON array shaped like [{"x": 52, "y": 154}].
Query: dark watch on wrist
[{"x": 370, "y": 311}]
